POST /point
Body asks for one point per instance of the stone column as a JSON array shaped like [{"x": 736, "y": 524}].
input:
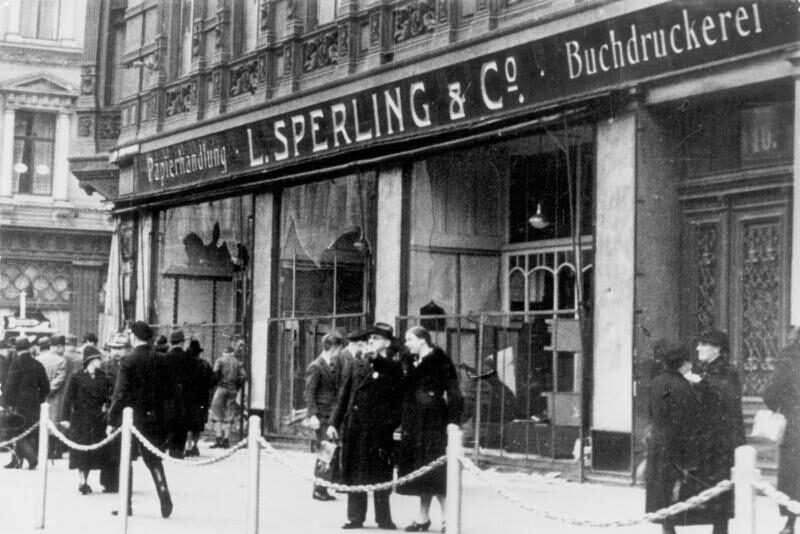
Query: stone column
[
  {"x": 7, "y": 154},
  {"x": 794, "y": 58},
  {"x": 388, "y": 275},
  {"x": 60, "y": 154},
  {"x": 262, "y": 276}
]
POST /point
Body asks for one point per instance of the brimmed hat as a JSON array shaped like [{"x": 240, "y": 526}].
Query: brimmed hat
[
  {"x": 161, "y": 341},
  {"x": 90, "y": 337},
  {"x": 177, "y": 337},
  {"x": 384, "y": 330},
  {"x": 23, "y": 344},
  {"x": 717, "y": 338},
  {"x": 142, "y": 330},
  {"x": 119, "y": 341},
  {"x": 58, "y": 340},
  {"x": 90, "y": 353},
  {"x": 43, "y": 343}
]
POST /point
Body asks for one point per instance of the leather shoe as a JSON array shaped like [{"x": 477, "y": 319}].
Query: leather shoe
[
  {"x": 166, "y": 506},
  {"x": 352, "y": 525},
  {"x": 85, "y": 489},
  {"x": 419, "y": 527},
  {"x": 15, "y": 463},
  {"x": 323, "y": 496},
  {"x": 387, "y": 526}
]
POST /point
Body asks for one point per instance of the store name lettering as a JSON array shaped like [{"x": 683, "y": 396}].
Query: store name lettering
[
  {"x": 204, "y": 158},
  {"x": 683, "y": 37}
]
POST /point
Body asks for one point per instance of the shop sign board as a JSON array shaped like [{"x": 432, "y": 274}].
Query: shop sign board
[{"x": 611, "y": 54}]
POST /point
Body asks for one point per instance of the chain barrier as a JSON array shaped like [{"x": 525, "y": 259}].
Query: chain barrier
[
  {"x": 343, "y": 488},
  {"x": 78, "y": 446},
  {"x": 660, "y": 515},
  {"x": 20, "y": 436},
  {"x": 187, "y": 463},
  {"x": 777, "y": 496}
]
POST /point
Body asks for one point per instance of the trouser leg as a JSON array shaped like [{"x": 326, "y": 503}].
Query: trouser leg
[
  {"x": 383, "y": 512},
  {"x": 156, "y": 468},
  {"x": 357, "y": 507}
]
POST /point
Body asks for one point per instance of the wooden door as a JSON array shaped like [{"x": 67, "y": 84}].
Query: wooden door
[{"x": 735, "y": 274}]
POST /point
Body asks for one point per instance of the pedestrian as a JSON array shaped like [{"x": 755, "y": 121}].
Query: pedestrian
[
  {"x": 180, "y": 370},
  {"x": 366, "y": 416},
  {"x": 322, "y": 388},
  {"x": 431, "y": 400},
  {"x": 86, "y": 402},
  {"x": 55, "y": 365},
  {"x": 73, "y": 355},
  {"x": 141, "y": 385},
  {"x": 671, "y": 454},
  {"x": 26, "y": 389},
  {"x": 782, "y": 394},
  {"x": 161, "y": 345},
  {"x": 201, "y": 384},
  {"x": 230, "y": 376},
  {"x": 720, "y": 426},
  {"x": 118, "y": 347}
]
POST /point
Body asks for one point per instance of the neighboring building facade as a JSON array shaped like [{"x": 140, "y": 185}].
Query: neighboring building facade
[
  {"x": 54, "y": 238},
  {"x": 560, "y": 183}
]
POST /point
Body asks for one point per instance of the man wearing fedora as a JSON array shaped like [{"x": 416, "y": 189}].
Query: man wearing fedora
[
  {"x": 55, "y": 365},
  {"x": 365, "y": 416},
  {"x": 141, "y": 385},
  {"x": 180, "y": 370}
]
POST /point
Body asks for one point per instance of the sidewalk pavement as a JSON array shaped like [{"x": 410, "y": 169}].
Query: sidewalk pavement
[{"x": 211, "y": 500}]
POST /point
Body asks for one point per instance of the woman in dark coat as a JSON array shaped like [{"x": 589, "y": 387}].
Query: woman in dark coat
[
  {"x": 721, "y": 426},
  {"x": 27, "y": 387},
  {"x": 431, "y": 401},
  {"x": 673, "y": 408},
  {"x": 783, "y": 395},
  {"x": 201, "y": 385},
  {"x": 86, "y": 401}
]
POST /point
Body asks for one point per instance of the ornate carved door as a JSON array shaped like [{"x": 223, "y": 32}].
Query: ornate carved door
[{"x": 736, "y": 275}]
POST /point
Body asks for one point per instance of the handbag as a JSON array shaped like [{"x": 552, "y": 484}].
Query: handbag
[{"x": 769, "y": 425}]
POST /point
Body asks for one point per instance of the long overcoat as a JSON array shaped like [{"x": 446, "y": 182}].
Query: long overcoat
[
  {"x": 431, "y": 401},
  {"x": 27, "y": 387},
  {"x": 366, "y": 415},
  {"x": 55, "y": 366},
  {"x": 181, "y": 368},
  {"x": 720, "y": 431},
  {"x": 85, "y": 404},
  {"x": 322, "y": 388},
  {"x": 783, "y": 394},
  {"x": 671, "y": 452}
]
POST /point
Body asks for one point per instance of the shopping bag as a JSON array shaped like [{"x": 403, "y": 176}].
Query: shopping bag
[{"x": 769, "y": 425}]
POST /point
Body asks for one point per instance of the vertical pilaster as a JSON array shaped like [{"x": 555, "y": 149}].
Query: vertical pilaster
[
  {"x": 794, "y": 58},
  {"x": 388, "y": 271},
  {"x": 7, "y": 153},
  {"x": 60, "y": 154}
]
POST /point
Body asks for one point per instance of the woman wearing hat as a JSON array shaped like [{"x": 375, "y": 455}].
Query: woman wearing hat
[
  {"x": 86, "y": 400},
  {"x": 670, "y": 452},
  {"x": 721, "y": 424}
]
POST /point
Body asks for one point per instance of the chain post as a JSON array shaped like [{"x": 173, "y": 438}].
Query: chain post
[
  {"x": 745, "y": 474},
  {"x": 41, "y": 475},
  {"x": 454, "y": 452},
  {"x": 125, "y": 469},
  {"x": 254, "y": 473}
]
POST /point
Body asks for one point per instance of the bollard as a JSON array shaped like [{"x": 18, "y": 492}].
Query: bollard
[
  {"x": 41, "y": 475},
  {"x": 254, "y": 474},
  {"x": 454, "y": 452},
  {"x": 744, "y": 494},
  {"x": 125, "y": 469}
]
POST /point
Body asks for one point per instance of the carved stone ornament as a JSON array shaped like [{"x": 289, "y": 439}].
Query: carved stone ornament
[
  {"x": 244, "y": 78},
  {"x": 216, "y": 83},
  {"x": 263, "y": 15},
  {"x": 444, "y": 15},
  {"x": 85, "y": 125},
  {"x": 108, "y": 126},
  {"x": 87, "y": 81},
  {"x": 288, "y": 60},
  {"x": 219, "y": 33},
  {"x": 412, "y": 20},
  {"x": 321, "y": 51},
  {"x": 374, "y": 28},
  {"x": 182, "y": 98},
  {"x": 344, "y": 40},
  {"x": 197, "y": 33}
]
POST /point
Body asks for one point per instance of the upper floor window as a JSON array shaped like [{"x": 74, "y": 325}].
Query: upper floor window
[
  {"x": 40, "y": 19},
  {"x": 321, "y": 12},
  {"x": 34, "y": 139}
]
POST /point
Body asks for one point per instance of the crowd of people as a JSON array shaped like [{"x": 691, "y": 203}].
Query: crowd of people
[
  {"x": 697, "y": 423},
  {"x": 167, "y": 383},
  {"x": 363, "y": 395}
]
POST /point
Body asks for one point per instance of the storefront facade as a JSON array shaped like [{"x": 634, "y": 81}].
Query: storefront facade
[{"x": 560, "y": 186}]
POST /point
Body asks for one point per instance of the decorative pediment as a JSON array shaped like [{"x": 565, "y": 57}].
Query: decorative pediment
[
  {"x": 39, "y": 90},
  {"x": 40, "y": 83}
]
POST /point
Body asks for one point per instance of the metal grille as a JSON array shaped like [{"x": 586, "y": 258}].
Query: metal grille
[
  {"x": 706, "y": 260},
  {"x": 760, "y": 294}
]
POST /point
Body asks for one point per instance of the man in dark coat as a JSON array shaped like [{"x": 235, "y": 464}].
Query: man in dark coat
[
  {"x": 783, "y": 394},
  {"x": 366, "y": 415},
  {"x": 670, "y": 452},
  {"x": 201, "y": 384},
  {"x": 140, "y": 385},
  {"x": 321, "y": 391},
  {"x": 180, "y": 370},
  {"x": 721, "y": 426},
  {"x": 26, "y": 389}
]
